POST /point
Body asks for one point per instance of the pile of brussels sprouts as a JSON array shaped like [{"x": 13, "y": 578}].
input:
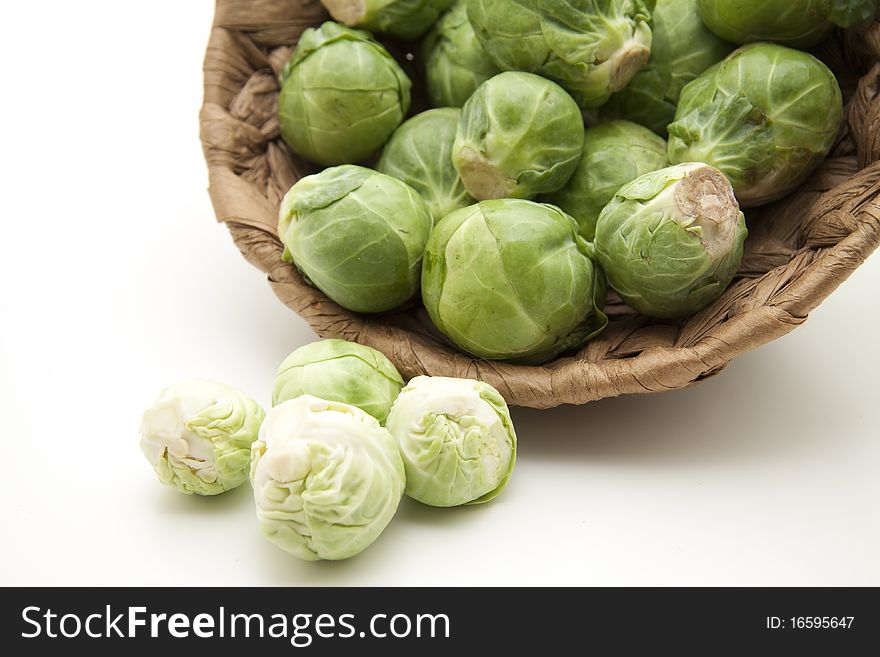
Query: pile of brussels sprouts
[
  {"x": 344, "y": 440},
  {"x": 574, "y": 146}
]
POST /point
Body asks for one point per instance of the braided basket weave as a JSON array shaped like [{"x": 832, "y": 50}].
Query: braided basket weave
[{"x": 799, "y": 249}]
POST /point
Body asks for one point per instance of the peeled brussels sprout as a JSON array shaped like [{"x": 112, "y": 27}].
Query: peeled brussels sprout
[
  {"x": 455, "y": 62},
  {"x": 795, "y": 23},
  {"x": 672, "y": 240},
  {"x": 456, "y": 439},
  {"x": 327, "y": 478},
  {"x": 198, "y": 435},
  {"x": 682, "y": 49},
  {"x": 342, "y": 371},
  {"x": 766, "y": 116},
  {"x": 511, "y": 279},
  {"x": 404, "y": 19},
  {"x": 593, "y": 48},
  {"x": 420, "y": 154},
  {"x": 519, "y": 135},
  {"x": 614, "y": 154},
  {"x": 342, "y": 95},
  {"x": 357, "y": 235}
]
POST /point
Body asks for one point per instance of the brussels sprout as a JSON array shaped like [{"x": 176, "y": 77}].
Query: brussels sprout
[
  {"x": 766, "y": 116},
  {"x": 511, "y": 279},
  {"x": 614, "y": 154},
  {"x": 198, "y": 435},
  {"x": 404, "y": 19},
  {"x": 671, "y": 241},
  {"x": 593, "y": 48},
  {"x": 327, "y": 478},
  {"x": 455, "y": 62},
  {"x": 342, "y": 95},
  {"x": 420, "y": 154},
  {"x": 357, "y": 235},
  {"x": 519, "y": 135},
  {"x": 795, "y": 23},
  {"x": 342, "y": 371},
  {"x": 682, "y": 49},
  {"x": 456, "y": 439}
]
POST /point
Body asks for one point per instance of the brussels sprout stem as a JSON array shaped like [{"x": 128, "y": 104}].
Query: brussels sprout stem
[
  {"x": 706, "y": 196},
  {"x": 350, "y": 12},
  {"x": 481, "y": 179},
  {"x": 625, "y": 63}
]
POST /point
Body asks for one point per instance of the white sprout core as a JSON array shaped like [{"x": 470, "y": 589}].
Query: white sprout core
[
  {"x": 482, "y": 179},
  {"x": 625, "y": 63},
  {"x": 164, "y": 433},
  {"x": 350, "y": 12}
]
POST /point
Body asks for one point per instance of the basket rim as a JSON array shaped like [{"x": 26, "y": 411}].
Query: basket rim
[{"x": 251, "y": 218}]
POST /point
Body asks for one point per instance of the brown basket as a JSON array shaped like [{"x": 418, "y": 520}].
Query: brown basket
[{"x": 799, "y": 250}]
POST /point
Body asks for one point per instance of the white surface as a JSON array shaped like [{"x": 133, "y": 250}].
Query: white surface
[{"x": 116, "y": 281}]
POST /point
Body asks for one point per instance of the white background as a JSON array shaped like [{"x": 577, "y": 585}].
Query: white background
[{"x": 116, "y": 281}]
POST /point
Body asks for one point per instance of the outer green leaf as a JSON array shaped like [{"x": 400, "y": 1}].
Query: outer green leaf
[
  {"x": 614, "y": 154},
  {"x": 455, "y": 62},
  {"x": 338, "y": 370},
  {"x": 420, "y": 154},
  {"x": 733, "y": 134},
  {"x": 404, "y": 19},
  {"x": 795, "y": 23}
]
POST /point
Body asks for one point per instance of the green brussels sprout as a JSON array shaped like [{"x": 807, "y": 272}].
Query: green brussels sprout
[
  {"x": 327, "y": 478},
  {"x": 671, "y": 241},
  {"x": 795, "y": 23},
  {"x": 519, "y": 135},
  {"x": 342, "y": 371},
  {"x": 766, "y": 116},
  {"x": 357, "y": 235},
  {"x": 342, "y": 95},
  {"x": 512, "y": 280},
  {"x": 404, "y": 19},
  {"x": 455, "y": 62},
  {"x": 198, "y": 435},
  {"x": 456, "y": 439},
  {"x": 614, "y": 154},
  {"x": 593, "y": 48},
  {"x": 420, "y": 154},
  {"x": 682, "y": 49}
]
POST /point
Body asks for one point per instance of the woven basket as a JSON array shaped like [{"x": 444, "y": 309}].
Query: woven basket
[{"x": 799, "y": 249}]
